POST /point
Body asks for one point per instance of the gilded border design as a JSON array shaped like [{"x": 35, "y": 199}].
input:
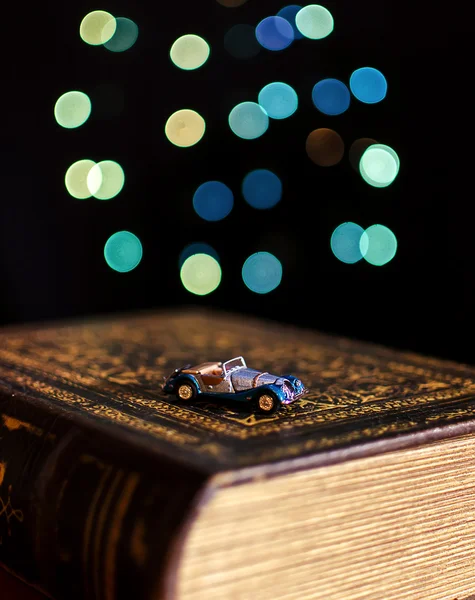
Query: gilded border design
[{"x": 115, "y": 371}]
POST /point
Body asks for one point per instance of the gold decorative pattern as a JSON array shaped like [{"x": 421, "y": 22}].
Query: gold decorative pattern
[
  {"x": 14, "y": 424},
  {"x": 7, "y": 510},
  {"x": 113, "y": 370}
]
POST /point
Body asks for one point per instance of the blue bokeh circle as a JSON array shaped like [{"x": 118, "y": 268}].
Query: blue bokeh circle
[
  {"x": 289, "y": 13},
  {"x": 275, "y": 33},
  {"x": 368, "y": 85},
  {"x": 262, "y": 189},
  {"x": 331, "y": 97},
  {"x": 213, "y": 201}
]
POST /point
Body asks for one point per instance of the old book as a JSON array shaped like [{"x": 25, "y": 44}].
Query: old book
[
  {"x": 111, "y": 490},
  {"x": 11, "y": 588}
]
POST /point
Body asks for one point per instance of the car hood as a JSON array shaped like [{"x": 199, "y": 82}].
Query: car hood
[{"x": 246, "y": 378}]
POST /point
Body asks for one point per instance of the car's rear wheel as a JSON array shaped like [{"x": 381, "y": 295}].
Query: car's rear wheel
[
  {"x": 185, "y": 390},
  {"x": 267, "y": 403}
]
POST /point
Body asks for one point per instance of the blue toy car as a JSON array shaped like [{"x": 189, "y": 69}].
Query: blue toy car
[{"x": 234, "y": 380}]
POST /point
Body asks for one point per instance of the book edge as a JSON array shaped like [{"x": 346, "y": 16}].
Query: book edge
[
  {"x": 167, "y": 588},
  {"x": 326, "y": 458}
]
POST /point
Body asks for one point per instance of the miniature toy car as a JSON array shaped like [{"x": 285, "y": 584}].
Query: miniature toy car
[{"x": 234, "y": 380}]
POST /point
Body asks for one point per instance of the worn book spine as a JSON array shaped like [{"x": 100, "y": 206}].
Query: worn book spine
[{"x": 85, "y": 512}]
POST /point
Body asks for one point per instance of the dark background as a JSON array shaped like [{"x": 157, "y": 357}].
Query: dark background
[{"x": 51, "y": 245}]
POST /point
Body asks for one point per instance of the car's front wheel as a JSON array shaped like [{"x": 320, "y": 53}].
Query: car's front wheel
[
  {"x": 267, "y": 403},
  {"x": 185, "y": 390}
]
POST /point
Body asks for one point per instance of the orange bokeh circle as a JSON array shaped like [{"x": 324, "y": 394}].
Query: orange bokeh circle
[{"x": 325, "y": 147}]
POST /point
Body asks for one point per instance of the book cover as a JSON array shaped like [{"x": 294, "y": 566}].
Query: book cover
[
  {"x": 102, "y": 475},
  {"x": 12, "y": 588}
]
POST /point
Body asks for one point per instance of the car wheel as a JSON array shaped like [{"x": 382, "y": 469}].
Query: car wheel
[
  {"x": 185, "y": 391},
  {"x": 267, "y": 403}
]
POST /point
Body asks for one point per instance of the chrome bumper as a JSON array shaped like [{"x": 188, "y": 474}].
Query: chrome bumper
[{"x": 296, "y": 397}]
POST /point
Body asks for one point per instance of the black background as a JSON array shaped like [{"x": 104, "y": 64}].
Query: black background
[{"x": 51, "y": 245}]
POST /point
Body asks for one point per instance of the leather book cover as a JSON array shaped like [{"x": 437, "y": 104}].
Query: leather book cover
[
  {"x": 101, "y": 473},
  {"x": 11, "y": 588}
]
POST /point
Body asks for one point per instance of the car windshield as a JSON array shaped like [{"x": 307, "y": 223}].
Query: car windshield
[{"x": 234, "y": 364}]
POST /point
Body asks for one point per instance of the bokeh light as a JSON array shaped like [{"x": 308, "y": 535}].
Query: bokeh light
[
  {"x": 279, "y": 100},
  {"x": 378, "y": 245},
  {"x": 262, "y": 189},
  {"x": 368, "y": 85},
  {"x": 241, "y": 42},
  {"x": 190, "y": 52},
  {"x": 357, "y": 149},
  {"x": 213, "y": 201},
  {"x": 379, "y": 165},
  {"x": 289, "y": 13},
  {"x": 72, "y": 109},
  {"x": 97, "y": 27},
  {"x": 124, "y": 36},
  {"x": 106, "y": 180},
  {"x": 275, "y": 33},
  {"x": 123, "y": 251},
  {"x": 262, "y": 272},
  {"x": 197, "y": 248},
  {"x": 76, "y": 179},
  {"x": 200, "y": 274},
  {"x": 231, "y": 3},
  {"x": 185, "y": 128},
  {"x": 325, "y": 147},
  {"x": 248, "y": 120},
  {"x": 331, "y": 97},
  {"x": 314, "y": 22},
  {"x": 345, "y": 242}
]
